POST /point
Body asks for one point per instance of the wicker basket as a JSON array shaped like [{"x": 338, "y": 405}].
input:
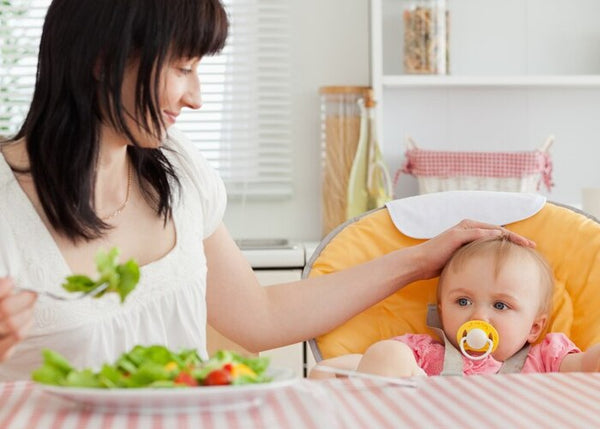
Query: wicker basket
[{"x": 438, "y": 171}]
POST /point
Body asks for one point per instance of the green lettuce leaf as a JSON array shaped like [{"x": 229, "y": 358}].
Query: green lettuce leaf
[
  {"x": 119, "y": 278},
  {"x": 83, "y": 378},
  {"x": 146, "y": 366},
  {"x": 54, "y": 370}
]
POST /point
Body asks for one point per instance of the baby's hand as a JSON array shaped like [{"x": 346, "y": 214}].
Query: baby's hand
[{"x": 418, "y": 371}]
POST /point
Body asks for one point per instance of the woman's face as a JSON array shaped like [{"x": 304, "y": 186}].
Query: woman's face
[
  {"x": 179, "y": 87},
  {"x": 509, "y": 301}
]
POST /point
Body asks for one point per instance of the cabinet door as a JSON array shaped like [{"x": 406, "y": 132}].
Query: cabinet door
[{"x": 291, "y": 356}]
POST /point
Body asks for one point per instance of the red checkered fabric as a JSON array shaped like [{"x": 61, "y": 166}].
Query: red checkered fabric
[{"x": 446, "y": 164}]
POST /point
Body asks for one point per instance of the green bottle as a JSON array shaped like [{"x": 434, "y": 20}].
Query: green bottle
[
  {"x": 369, "y": 184},
  {"x": 357, "y": 182},
  {"x": 379, "y": 182}
]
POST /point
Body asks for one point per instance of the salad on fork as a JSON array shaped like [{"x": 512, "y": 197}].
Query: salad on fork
[{"x": 113, "y": 277}]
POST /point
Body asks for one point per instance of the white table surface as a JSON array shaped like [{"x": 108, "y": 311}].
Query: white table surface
[{"x": 491, "y": 401}]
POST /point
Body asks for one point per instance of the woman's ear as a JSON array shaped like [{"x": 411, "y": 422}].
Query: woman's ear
[{"x": 537, "y": 327}]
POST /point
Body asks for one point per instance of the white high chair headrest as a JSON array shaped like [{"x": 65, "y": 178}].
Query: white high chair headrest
[{"x": 425, "y": 216}]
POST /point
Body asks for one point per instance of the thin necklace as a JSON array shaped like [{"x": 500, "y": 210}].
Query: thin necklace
[{"x": 122, "y": 206}]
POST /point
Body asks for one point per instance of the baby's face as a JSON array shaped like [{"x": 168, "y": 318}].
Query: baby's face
[{"x": 509, "y": 301}]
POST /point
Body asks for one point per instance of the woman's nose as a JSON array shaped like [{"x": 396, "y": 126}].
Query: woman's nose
[{"x": 193, "y": 97}]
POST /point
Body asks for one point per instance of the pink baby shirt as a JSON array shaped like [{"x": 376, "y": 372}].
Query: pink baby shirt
[{"x": 543, "y": 357}]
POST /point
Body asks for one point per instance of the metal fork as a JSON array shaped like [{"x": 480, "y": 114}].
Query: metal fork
[{"x": 91, "y": 293}]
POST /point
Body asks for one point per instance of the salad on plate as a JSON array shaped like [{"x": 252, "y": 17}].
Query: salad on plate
[{"x": 156, "y": 367}]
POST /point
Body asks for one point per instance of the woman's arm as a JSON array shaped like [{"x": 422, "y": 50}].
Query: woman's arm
[
  {"x": 260, "y": 318},
  {"x": 588, "y": 361}
]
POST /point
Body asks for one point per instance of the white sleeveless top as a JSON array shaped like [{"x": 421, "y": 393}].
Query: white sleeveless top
[{"x": 168, "y": 305}]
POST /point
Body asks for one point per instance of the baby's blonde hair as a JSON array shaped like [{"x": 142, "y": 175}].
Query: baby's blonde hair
[{"x": 502, "y": 249}]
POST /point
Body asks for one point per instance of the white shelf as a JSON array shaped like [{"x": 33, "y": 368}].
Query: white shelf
[
  {"x": 424, "y": 81},
  {"x": 519, "y": 70}
]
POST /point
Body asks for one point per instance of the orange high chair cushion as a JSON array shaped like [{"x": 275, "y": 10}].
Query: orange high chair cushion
[{"x": 569, "y": 240}]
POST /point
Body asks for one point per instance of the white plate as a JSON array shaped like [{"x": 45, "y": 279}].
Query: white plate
[{"x": 213, "y": 398}]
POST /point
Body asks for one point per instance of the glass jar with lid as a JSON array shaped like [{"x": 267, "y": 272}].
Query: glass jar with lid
[{"x": 426, "y": 28}]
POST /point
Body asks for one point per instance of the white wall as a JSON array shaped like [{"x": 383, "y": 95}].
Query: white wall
[
  {"x": 330, "y": 47},
  {"x": 501, "y": 119},
  {"x": 504, "y": 37}
]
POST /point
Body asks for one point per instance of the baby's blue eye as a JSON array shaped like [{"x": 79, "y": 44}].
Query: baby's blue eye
[
  {"x": 500, "y": 306},
  {"x": 463, "y": 302}
]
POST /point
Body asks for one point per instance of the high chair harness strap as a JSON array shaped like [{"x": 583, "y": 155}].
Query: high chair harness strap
[{"x": 453, "y": 359}]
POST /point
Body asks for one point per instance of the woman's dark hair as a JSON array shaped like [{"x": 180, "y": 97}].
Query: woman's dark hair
[{"x": 85, "y": 48}]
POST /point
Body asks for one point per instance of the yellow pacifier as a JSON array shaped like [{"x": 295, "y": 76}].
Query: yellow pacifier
[{"x": 477, "y": 336}]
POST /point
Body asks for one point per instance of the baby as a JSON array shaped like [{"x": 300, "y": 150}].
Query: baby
[{"x": 494, "y": 298}]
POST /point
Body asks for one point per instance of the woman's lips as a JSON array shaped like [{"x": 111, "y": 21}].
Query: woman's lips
[{"x": 170, "y": 117}]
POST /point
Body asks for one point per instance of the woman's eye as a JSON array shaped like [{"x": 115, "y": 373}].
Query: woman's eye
[
  {"x": 463, "y": 302},
  {"x": 185, "y": 71},
  {"x": 500, "y": 306}
]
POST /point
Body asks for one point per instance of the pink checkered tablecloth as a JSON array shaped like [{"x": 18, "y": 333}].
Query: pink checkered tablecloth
[{"x": 497, "y": 401}]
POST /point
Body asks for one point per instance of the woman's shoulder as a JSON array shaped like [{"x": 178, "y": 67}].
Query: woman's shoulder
[
  {"x": 200, "y": 182},
  {"x": 12, "y": 154},
  {"x": 187, "y": 156},
  {"x": 178, "y": 143}
]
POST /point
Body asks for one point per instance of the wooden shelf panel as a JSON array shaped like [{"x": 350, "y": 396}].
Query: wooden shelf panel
[{"x": 423, "y": 81}]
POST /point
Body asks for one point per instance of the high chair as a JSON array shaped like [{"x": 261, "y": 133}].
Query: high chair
[{"x": 567, "y": 237}]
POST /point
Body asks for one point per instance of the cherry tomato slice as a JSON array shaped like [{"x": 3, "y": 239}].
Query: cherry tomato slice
[
  {"x": 186, "y": 379},
  {"x": 218, "y": 377}
]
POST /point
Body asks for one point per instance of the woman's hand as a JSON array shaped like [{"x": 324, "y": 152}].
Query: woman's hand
[
  {"x": 16, "y": 316},
  {"x": 434, "y": 253}
]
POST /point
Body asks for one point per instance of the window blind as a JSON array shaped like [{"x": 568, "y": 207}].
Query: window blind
[{"x": 243, "y": 127}]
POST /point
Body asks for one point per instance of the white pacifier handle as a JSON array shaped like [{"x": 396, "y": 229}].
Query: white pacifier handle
[{"x": 476, "y": 339}]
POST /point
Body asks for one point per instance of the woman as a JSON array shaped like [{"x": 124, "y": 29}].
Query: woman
[{"x": 97, "y": 164}]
